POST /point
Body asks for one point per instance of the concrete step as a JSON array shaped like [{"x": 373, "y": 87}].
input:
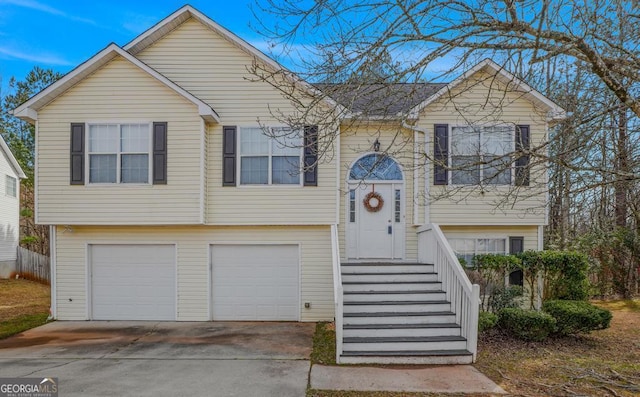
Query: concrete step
[
  {"x": 368, "y": 296},
  {"x": 401, "y": 330},
  {"x": 399, "y": 344},
  {"x": 349, "y": 286},
  {"x": 389, "y": 277},
  {"x": 399, "y": 318},
  {"x": 386, "y": 267},
  {"x": 391, "y": 306},
  {"x": 433, "y": 357}
]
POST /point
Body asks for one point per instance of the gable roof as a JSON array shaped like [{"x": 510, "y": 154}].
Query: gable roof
[
  {"x": 4, "y": 148},
  {"x": 29, "y": 110},
  {"x": 380, "y": 99},
  {"x": 554, "y": 112},
  {"x": 159, "y": 30}
]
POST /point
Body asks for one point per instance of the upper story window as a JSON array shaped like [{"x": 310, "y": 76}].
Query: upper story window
[
  {"x": 270, "y": 159},
  {"x": 481, "y": 155},
  {"x": 119, "y": 153},
  {"x": 11, "y": 186}
]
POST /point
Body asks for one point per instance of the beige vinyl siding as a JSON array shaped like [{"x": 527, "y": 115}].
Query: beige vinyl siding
[
  {"x": 9, "y": 213},
  {"x": 267, "y": 205},
  {"x": 216, "y": 71},
  {"x": 119, "y": 92},
  {"x": 356, "y": 141},
  {"x": 468, "y": 103},
  {"x": 193, "y": 242},
  {"x": 529, "y": 232}
]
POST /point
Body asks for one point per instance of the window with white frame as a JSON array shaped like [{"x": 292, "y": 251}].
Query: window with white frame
[
  {"x": 119, "y": 153},
  {"x": 481, "y": 155},
  {"x": 11, "y": 186},
  {"x": 272, "y": 158},
  {"x": 467, "y": 248}
]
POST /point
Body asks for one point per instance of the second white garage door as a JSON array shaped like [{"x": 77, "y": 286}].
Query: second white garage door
[
  {"x": 133, "y": 282},
  {"x": 255, "y": 282}
]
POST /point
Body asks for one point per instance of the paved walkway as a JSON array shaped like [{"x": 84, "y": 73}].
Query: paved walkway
[{"x": 443, "y": 379}]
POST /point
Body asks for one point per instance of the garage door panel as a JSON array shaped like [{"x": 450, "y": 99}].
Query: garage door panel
[
  {"x": 133, "y": 282},
  {"x": 255, "y": 282}
]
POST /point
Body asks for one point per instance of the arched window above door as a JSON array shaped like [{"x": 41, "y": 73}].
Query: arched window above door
[{"x": 376, "y": 167}]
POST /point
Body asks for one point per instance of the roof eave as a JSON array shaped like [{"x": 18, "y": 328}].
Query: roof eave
[
  {"x": 28, "y": 110},
  {"x": 12, "y": 160}
]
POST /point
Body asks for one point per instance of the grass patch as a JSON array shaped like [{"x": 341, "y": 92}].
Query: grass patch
[
  {"x": 324, "y": 344},
  {"x": 603, "y": 363},
  {"x": 24, "y": 305},
  {"x": 22, "y": 323}
]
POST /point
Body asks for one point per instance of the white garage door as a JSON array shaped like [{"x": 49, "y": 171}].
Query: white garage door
[
  {"x": 255, "y": 282},
  {"x": 133, "y": 282}
]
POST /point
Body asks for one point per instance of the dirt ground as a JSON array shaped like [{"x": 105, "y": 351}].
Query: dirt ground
[
  {"x": 603, "y": 363},
  {"x": 23, "y": 297}
]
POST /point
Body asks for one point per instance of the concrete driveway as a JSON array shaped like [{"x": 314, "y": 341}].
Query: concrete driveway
[{"x": 117, "y": 358}]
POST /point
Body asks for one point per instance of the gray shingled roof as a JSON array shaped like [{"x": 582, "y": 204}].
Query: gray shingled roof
[{"x": 380, "y": 99}]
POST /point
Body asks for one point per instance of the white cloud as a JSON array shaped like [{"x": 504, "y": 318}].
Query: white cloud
[
  {"x": 35, "y": 5},
  {"x": 45, "y": 59},
  {"x": 138, "y": 23}
]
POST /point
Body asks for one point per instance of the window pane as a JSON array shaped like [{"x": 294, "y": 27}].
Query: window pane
[
  {"x": 465, "y": 141},
  {"x": 135, "y": 138},
  {"x": 497, "y": 140},
  {"x": 11, "y": 186},
  {"x": 352, "y": 205},
  {"x": 254, "y": 170},
  {"x": 103, "y": 138},
  {"x": 102, "y": 168},
  {"x": 286, "y": 170},
  {"x": 497, "y": 171},
  {"x": 397, "y": 206},
  {"x": 376, "y": 167},
  {"x": 465, "y": 170},
  {"x": 134, "y": 168},
  {"x": 286, "y": 142},
  {"x": 253, "y": 141}
]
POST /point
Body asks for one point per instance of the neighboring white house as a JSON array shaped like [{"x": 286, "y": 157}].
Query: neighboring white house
[
  {"x": 167, "y": 201},
  {"x": 10, "y": 175}
]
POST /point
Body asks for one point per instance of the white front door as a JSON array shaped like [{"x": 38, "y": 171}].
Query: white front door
[{"x": 377, "y": 230}]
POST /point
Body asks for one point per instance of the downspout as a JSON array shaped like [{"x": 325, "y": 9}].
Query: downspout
[
  {"x": 53, "y": 310},
  {"x": 427, "y": 204}
]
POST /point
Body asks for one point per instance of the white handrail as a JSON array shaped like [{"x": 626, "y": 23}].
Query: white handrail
[
  {"x": 464, "y": 297},
  {"x": 337, "y": 289}
]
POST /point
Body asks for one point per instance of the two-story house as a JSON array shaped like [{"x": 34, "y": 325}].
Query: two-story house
[{"x": 168, "y": 201}]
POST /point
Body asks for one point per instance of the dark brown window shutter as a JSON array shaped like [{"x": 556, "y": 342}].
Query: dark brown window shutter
[
  {"x": 440, "y": 154},
  {"x": 159, "y": 153},
  {"x": 311, "y": 155},
  {"x": 229, "y": 137},
  {"x": 516, "y": 246},
  {"x": 522, "y": 162},
  {"x": 77, "y": 154}
]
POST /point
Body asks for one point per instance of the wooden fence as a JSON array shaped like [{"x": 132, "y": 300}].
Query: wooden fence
[{"x": 33, "y": 266}]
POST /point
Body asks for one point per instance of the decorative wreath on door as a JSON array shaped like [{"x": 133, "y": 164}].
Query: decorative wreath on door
[{"x": 373, "y": 202}]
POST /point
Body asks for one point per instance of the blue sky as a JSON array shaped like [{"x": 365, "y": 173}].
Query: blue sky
[{"x": 60, "y": 34}]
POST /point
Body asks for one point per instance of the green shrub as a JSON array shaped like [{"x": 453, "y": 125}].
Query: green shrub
[
  {"x": 528, "y": 325},
  {"x": 574, "y": 317},
  {"x": 504, "y": 297},
  {"x": 486, "y": 321}
]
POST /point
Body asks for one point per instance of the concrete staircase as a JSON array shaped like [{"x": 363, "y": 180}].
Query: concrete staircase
[{"x": 398, "y": 313}]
